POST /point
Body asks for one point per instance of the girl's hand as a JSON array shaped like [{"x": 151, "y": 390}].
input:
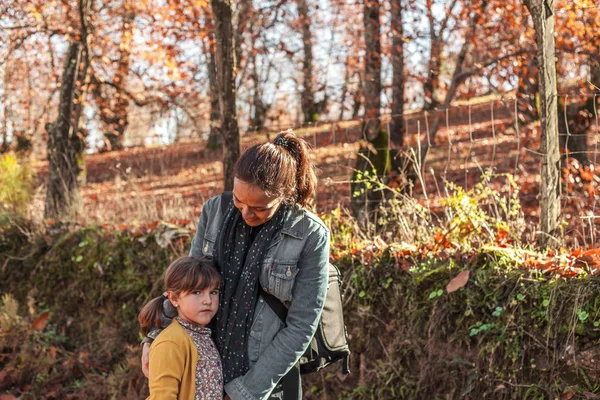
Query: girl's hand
[{"x": 146, "y": 359}]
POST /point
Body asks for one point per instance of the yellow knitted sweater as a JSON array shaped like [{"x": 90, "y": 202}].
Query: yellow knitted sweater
[{"x": 173, "y": 360}]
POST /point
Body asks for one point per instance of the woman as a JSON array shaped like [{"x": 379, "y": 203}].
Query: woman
[{"x": 266, "y": 239}]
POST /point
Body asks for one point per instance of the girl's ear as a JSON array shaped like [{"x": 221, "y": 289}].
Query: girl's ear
[{"x": 172, "y": 297}]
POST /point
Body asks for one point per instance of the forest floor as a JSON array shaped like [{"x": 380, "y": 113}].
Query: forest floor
[{"x": 144, "y": 184}]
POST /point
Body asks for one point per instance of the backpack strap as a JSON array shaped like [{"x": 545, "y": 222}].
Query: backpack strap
[
  {"x": 277, "y": 306},
  {"x": 346, "y": 365},
  {"x": 226, "y": 198}
]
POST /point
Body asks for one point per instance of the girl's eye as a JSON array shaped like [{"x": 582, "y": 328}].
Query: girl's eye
[
  {"x": 196, "y": 292},
  {"x": 216, "y": 292}
]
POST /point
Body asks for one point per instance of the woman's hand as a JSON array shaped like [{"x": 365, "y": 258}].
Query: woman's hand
[{"x": 146, "y": 359}]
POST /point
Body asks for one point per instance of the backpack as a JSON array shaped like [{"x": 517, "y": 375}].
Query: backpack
[{"x": 330, "y": 343}]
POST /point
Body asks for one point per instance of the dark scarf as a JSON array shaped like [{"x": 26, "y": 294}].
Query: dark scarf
[{"x": 240, "y": 259}]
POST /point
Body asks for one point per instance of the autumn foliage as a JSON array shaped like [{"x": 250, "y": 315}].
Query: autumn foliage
[{"x": 445, "y": 296}]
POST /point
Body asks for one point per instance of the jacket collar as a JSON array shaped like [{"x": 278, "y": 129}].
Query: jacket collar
[{"x": 295, "y": 226}]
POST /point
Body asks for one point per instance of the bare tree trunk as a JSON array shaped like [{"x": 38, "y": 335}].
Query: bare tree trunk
[
  {"x": 215, "y": 139},
  {"x": 364, "y": 198},
  {"x": 358, "y": 96},
  {"x": 226, "y": 70},
  {"x": 244, "y": 15},
  {"x": 397, "y": 125},
  {"x": 307, "y": 99},
  {"x": 260, "y": 109},
  {"x": 120, "y": 123},
  {"x": 431, "y": 84},
  {"x": 527, "y": 89},
  {"x": 111, "y": 100},
  {"x": 25, "y": 142},
  {"x": 344, "y": 90},
  {"x": 372, "y": 84},
  {"x": 542, "y": 12},
  {"x": 64, "y": 144},
  {"x": 4, "y": 129}
]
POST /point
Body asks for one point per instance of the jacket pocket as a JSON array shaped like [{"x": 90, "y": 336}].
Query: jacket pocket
[{"x": 282, "y": 274}]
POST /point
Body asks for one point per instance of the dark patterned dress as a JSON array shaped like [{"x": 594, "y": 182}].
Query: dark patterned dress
[{"x": 209, "y": 374}]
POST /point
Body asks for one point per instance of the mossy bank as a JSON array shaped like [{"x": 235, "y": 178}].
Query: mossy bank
[{"x": 70, "y": 296}]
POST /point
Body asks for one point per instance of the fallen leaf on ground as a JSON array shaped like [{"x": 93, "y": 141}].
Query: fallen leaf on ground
[
  {"x": 40, "y": 322},
  {"x": 458, "y": 281}
]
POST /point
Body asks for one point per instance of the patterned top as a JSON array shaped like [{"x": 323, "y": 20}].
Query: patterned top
[{"x": 209, "y": 374}]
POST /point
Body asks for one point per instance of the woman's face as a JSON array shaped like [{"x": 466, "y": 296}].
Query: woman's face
[{"x": 256, "y": 207}]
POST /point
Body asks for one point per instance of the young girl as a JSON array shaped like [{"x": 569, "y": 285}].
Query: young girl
[{"x": 184, "y": 362}]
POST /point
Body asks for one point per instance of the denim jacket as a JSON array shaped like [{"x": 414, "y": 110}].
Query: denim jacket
[{"x": 294, "y": 271}]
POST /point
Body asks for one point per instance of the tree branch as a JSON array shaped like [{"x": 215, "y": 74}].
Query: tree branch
[
  {"x": 133, "y": 97},
  {"x": 16, "y": 27},
  {"x": 461, "y": 76},
  {"x": 444, "y": 23}
]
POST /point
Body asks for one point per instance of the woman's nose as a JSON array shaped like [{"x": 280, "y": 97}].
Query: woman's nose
[{"x": 246, "y": 213}]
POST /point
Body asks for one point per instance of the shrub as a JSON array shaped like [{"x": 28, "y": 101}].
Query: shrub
[{"x": 16, "y": 184}]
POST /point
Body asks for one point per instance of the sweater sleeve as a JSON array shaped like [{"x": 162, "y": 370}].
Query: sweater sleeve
[{"x": 167, "y": 362}]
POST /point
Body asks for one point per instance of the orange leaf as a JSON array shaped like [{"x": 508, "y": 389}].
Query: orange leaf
[
  {"x": 458, "y": 281},
  {"x": 567, "y": 395},
  {"x": 585, "y": 261},
  {"x": 40, "y": 322},
  {"x": 567, "y": 274},
  {"x": 591, "y": 252},
  {"x": 405, "y": 264},
  {"x": 439, "y": 236},
  {"x": 53, "y": 352},
  {"x": 441, "y": 240},
  {"x": 501, "y": 234},
  {"x": 586, "y": 175}
]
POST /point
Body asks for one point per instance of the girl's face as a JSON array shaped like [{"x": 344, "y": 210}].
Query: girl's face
[
  {"x": 254, "y": 204},
  {"x": 198, "y": 306}
]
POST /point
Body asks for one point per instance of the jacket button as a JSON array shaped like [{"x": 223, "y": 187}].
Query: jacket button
[
  {"x": 252, "y": 333},
  {"x": 260, "y": 300}
]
